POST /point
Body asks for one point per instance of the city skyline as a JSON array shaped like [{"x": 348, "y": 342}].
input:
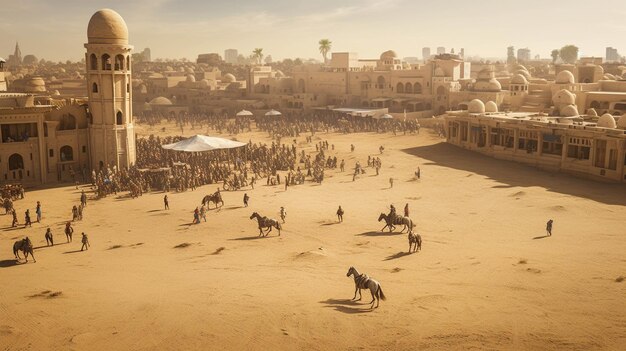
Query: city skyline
[{"x": 285, "y": 30}]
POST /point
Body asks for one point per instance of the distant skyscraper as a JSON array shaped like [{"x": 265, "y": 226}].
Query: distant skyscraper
[
  {"x": 612, "y": 55},
  {"x": 147, "y": 55},
  {"x": 425, "y": 54},
  {"x": 523, "y": 55},
  {"x": 230, "y": 56},
  {"x": 18, "y": 53},
  {"x": 441, "y": 50}
]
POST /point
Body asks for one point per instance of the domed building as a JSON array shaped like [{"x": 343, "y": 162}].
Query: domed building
[
  {"x": 565, "y": 77},
  {"x": 607, "y": 121},
  {"x": 476, "y": 106},
  {"x": 569, "y": 111},
  {"x": 229, "y": 78},
  {"x": 563, "y": 97},
  {"x": 621, "y": 122},
  {"x": 160, "y": 101},
  {"x": 190, "y": 78},
  {"x": 491, "y": 107},
  {"x": 107, "y": 27}
]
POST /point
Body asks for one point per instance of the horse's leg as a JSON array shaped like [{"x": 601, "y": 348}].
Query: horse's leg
[
  {"x": 356, "y": 288},
  {"x": 268, "y": 232},
  {"x": 382, "y": 230},
  {"x": 32, "y": 253},
  {"x": 373, "y": 297}
]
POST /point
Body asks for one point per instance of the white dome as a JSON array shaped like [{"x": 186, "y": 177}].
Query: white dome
[
  {"x": 607, "y": 121},
  {"x": 523, "y": 73},
  {"x": 490, "y": 85},
  {"x": 564, "y": 97},
  {"x": 565, "y": 77},
  {"x": 519, "y": 79},
  {"x": 592, "y": 112},
  {"x": 476, "y": 106},
  {"x": 388, "y": 55},
  {"x": 107, "y": 27},
  {"x": 569, "y": 111},
  {"x": 621, "y": 123},
  {"x": 160, "y": 101},
  {"x": 190, "y": 78},
  {"x": 229, "y": 78},
  {"x": 491, "y": 106}
]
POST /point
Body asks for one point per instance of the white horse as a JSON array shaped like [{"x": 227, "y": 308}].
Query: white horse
[{"x": 362, "y": 281}]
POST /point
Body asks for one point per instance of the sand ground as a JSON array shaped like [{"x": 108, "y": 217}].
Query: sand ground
[{"x": 486, "y": 278}]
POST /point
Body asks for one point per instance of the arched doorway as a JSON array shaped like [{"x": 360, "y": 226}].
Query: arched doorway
[
  {"x": 66, "y": 153},
  {"x": 119, "y": 119},
  {"x": 16, "y": 166}
]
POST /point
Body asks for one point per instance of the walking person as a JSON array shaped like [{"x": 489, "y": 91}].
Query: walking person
[
  {"x": 69, "y": 231},
  {"x": 14, "y": 214},
  {"x": 245, "y": 199},
  {"x": 38, "y": 211},
  {"x": 406, "y": 210},
  {"x": 549, "y": 227},
  {"x": 85, "y": 242},
  {"x": 166, "y": 202},
  {"x": 418, "y": 173},
  {"x": 83, "y": 198},
  {"x": 203, "y": 212},
  {"x": 340, "y": 214},
  {"x": 27, "y": 221},
  {"x": 283, "y": 213},
  {"x": 49, "y": 239},
  {"x": 196, "y": 216}
]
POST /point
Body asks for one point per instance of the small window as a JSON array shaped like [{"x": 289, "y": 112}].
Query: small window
[
  {"x": 84, "y": 149},
  {"x": 94, "y": 88},
  {"x": 128, "y": 88},
  {"x": 119, "y": 118},
  {"x": 51, "y": 153}
]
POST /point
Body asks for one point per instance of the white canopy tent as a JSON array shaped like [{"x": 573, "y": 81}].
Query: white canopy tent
[
  {"x": 273, "y": 113},
  {"x": 200, "y": 143},
  {"x": 244, "y": 113}
]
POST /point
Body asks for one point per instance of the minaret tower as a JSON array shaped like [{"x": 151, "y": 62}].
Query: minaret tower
[{"x": 111, "y": 131}]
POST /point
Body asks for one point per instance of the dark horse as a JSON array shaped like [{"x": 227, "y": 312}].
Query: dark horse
[
  {"x": 392, "y": 222},
  {"x": 216, "y": 198},
  {"x": 265, "y": 222},
  {"x": 26, "y": 246}
]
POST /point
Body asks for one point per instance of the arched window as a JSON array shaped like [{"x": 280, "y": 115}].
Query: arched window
[
  {"x": 16, "y": 162},
  {"x": 119, "y": 63},
  {"x": 106, "y": 62},
  {"x": 128, "y": 62},
  {"x": 128, "y": 87},
  {"x": 93, "y": 62},
  {"x": 94, "y": 88},
  {"x": 381, "y": 82},
  {"x": 408, "y": 88},
  {"x": 417, "y": 88},
  {"x": 119, "y": 118},
  {"x": 400, "y": 88},
  {"x": 68, "y": 122},
  {"x": 67, "y": 153}
]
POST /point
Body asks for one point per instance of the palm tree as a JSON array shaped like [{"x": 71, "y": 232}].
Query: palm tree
[
  {"x": 258, "y": 54},
  {"x": 325, "y": 46}
]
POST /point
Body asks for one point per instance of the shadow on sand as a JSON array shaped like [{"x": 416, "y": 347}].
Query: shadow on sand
[
  {"x": 46, "y": 246},
  {"x": 71, "y": 252},
  {"x": 396, "y": 256},
  {"x": 10, "y": 263},
  {"x": 347, "y": 306},
  {"x": 541, "y": 237},
  {"x": 513, "y": 174},
  {"x": 251, "y": 238},
  {"x": 377, "y": 233}
]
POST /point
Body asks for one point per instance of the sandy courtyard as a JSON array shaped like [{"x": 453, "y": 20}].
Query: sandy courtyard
[{"x": 486, "y": 278}]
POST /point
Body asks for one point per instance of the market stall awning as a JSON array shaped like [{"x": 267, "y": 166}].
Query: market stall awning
[
  {"x": 200, "y": 143},
  {"x": 244, "y": 113},
  {"x": 273, "y": 113}
]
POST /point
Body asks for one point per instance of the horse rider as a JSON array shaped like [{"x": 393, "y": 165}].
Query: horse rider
[{"x": 392, "y": 212}]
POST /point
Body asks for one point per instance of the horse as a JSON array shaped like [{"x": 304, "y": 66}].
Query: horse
[
  {"x": 362, "y": 281},
  {"x": 416, "y": 239},
  {"x": 216, "y": 198},
  {"x": 399, "y": 220},
  {"x": 26, "y": 246},
  {"x": 265, "y": 222}
]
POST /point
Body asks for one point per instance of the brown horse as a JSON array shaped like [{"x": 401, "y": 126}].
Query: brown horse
[
  {"x": 265, "y": 222},
  {"x": 416, "y": 239},
  {"x": 216, "y": 198},
  {"x": 26, "y": 246},
  {"x": 362, "y": 281},
  {"x": 398, "y": 220}
]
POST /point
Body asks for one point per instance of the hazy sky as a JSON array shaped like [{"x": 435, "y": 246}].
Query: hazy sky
[{"x": 56, "y": 30}]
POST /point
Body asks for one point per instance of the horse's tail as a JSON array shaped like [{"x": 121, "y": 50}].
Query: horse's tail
[{"x": 381, "y": 294}]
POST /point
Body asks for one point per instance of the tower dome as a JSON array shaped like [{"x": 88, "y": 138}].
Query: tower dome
[
  {"x": 107, "y": 27},
  {"x": 190, "y": 78},
  {"x": 565, "y": 77},
  {"x": 607, "y": 121},
  {"x": 519, "y": 79},
  {"x": 564, "y": 97},
  {"x": 476, "y": 106},
  {"x": 621, "y": 123},
  {"x": 569, "y": 111},
  {"x": 229, "y": 78},
  {"x": 491, "y": 106}
]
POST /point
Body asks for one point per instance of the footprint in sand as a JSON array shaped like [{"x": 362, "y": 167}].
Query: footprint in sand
[
  {"x": 396, "y": 270},
  {"x": 182, "y": 246},
  {"x": 518, "y": 194},
  {"x": 619, "y": 279},
  {"x": 533, "y": 270}
]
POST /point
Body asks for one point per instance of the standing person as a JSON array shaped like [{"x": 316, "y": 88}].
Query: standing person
[
  {"x": 253, "y": 181},
  {"x": 80, "y": 212},
  {"x": 283, "y": 213},
  {"x": 85, "y": 242},
  {"x": 74, "y": 213},
  {"x": 351, "y": 147},
  {"x": 14, "y": 214},
  {"x": 549, "y": 227},
  {"x": 419, "y": 172},
  {"x": 340, "y": 214},
  {"x": 342, "y": 165},
  {"x": 391, "y": 182},
  {"x": 166, "y": 202},
  {"x": 49, "y": 239},
  {"x": 245, "y": 199},
  {"x": 196, "y": 216},
  {"x": 69, "y": 231},
  {"x": 203, "y": 212},
  {"x": 38, "y": 211},
  {"x": 406, "y": 210},
  {"x": 27, "y": 221},
  {"x": 83, "y": 198}
]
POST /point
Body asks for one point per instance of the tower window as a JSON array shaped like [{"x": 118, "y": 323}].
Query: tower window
[
  {"x": 93, "y": 62},
  {"x": 119, "y": 63},
  {"x": 106, "y": 62},
  {"x": 128, "y": 88},
  {"x": 119, "y": 118},
  {"x": 94, "y": 88}
]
